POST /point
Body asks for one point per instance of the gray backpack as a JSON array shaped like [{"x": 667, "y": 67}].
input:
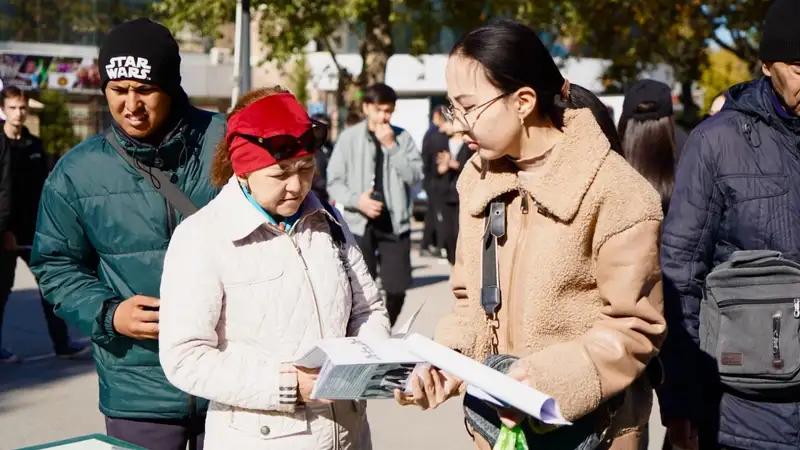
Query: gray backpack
[{"x": 750, "y": 323}]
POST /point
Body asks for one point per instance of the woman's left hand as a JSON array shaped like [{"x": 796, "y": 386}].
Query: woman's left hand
[{"x": 430, "y": 388}]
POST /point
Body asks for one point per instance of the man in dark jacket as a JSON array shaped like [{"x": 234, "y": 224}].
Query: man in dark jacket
[
  {"x": 448, "y": 164},
  {"x": 103, "y": 231},
  {"x": 737, "y": 187},
  {"x": 434, "y": 142},
  {"x": 319, "y": 184},
  {"x": 28, "y": 174}
]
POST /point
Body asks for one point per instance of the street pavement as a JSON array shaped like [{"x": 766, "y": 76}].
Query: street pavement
[{"x": 45, "y": 399}]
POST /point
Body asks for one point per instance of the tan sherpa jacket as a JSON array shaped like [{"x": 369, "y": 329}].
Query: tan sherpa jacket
[{"x": 579, "y": 274}]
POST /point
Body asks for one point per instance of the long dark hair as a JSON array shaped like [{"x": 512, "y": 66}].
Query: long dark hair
[
  {"x": 513, "y": 57},
  {"x": 649, "y": 146}
]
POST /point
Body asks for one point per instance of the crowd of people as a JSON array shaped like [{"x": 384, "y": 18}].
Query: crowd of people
[{"x": 596, "y": 262}]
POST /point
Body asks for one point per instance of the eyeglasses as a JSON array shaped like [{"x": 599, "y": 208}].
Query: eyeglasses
[
  {"x": 285, "y": 146},
  {"x": 451, "y": 114}
]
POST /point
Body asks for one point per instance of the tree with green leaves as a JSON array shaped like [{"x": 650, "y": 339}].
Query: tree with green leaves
[
  {"x": 724, "y": 70},
  {"x": 636, "y": 34},
  {"x": 55, "y": 124},
  {"x": 287, "y": 26},
  {"x": 299, "y": 79},
  {"x": 74, "y": 22}
]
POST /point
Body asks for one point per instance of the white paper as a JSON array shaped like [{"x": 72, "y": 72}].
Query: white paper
[
  {"x": 406, "y": 328},
  {"x": 355, "y": 368},
  {"x": 482, "y": 395},
  {"x": 493, "y": 383}
]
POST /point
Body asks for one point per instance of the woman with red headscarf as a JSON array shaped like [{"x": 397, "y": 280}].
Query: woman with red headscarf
[{"x": 255, "y": 279}]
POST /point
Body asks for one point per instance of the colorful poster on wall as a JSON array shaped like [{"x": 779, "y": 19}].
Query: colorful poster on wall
[
  {"x": 73, "y": 74},
  {"x": 24, "y": 71},
  {"x": 33, "y": 72}
]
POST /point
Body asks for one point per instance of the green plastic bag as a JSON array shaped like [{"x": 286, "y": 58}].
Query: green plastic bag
[{"x": 511, "y": 439}]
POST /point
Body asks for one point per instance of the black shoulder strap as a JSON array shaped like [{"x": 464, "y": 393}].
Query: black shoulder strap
[
  {"x": 158, "y": 179},
  {"x": 490, "y": 282},
  {"x": 336, "y": 230}
]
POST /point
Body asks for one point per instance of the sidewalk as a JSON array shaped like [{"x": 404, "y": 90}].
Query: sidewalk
[{"x": 46, "y": 399}]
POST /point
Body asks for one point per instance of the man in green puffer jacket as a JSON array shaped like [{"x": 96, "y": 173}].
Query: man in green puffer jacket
[{"x": 103, "y": 230}]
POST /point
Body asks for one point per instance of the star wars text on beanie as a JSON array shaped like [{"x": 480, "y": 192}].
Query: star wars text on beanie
[
  {"x": 780, "y": 40},
  {"x": 144, "y": 51}
]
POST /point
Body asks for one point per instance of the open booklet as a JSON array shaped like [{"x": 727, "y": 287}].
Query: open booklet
[{"x": 352, "y": 368}]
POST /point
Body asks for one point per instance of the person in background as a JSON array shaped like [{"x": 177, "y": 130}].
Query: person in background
[
  {"x": 320, "y": 184},
  {"x": 444, "y": 194},
  {"x": 648, "y": 137},
  {"x": 434, "y": 142},
  {"x": 717, "y": 103},
  {"x": 737, "y": 188},
  {"x": 371, "y": 173},
  {"x": 577, "y": 310},
  {"x": 103, "y": 230},
  {"x": 352, "y": 119},
  {"x": 5, "y": 191},
  {"x": 628, "y": 109},
  {"x": 256, "y": 279},
  {"x": 28, "y": 171}
]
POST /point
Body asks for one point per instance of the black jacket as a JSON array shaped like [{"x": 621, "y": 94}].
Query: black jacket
[
  {"x": 319, "y": 185},
  {"x": 441, "y": 188},
  {"x": 5, "y": 187},
  {"x": 737, "y": 187},
  {"x": 28, "y": 168},
  {"x": 434, "y": 142}
]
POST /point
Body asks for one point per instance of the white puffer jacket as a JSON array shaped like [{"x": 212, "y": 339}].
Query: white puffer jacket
[{"x": 240, "y": 300}]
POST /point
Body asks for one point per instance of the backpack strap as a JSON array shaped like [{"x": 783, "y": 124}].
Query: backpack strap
[{"x": 337, "y": 233}]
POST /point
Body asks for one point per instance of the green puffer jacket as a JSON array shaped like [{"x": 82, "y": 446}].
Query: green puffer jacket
[{"x": 101, "y": 237}]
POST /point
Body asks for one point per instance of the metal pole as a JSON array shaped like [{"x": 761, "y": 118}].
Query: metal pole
[
  {"x": 245, "y": 70},
  {"x": 237, "y": 48}
]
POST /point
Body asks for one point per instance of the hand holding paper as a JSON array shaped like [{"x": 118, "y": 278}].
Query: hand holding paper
[
  {"x": 429, "y": 387},
  {"x": 306, "y": 379}
]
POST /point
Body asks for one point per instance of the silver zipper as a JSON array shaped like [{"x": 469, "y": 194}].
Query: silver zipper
[
  {"x": 796, "y": 308},
  {"x": 290, "y": 235}
]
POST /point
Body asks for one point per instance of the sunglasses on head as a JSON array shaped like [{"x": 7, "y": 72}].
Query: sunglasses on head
[{"x": 284, "y": 146}]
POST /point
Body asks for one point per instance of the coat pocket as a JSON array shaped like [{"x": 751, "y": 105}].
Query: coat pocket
[{"x": 268, "y": 425}]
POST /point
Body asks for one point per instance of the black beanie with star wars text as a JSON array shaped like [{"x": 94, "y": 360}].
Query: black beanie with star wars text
[{"x": 144, "y": 51}]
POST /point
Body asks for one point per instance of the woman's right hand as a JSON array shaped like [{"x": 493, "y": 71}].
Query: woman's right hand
[
  {"x": 306, "y": 377},
  {"x": 430, "y": 388}
]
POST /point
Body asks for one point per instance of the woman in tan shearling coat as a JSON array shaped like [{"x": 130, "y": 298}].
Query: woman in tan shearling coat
[{"x": 578, "y": 270}]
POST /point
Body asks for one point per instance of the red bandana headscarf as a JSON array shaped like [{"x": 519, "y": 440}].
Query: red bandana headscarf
[{"x": 266, "y": 132}]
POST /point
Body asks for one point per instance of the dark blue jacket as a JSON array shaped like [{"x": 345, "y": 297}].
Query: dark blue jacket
[{"x": 737, "y": 187}]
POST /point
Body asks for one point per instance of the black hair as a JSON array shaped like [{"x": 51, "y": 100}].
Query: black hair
[
  {"x": 649, "y": 147},
  {"x": 580, "y": 97},
  {"x": 12, "y": 92},
  {"x": 513, "y": 57},
  {"x": 497, "y": 48},
  {"x": 381, "y": 94},
  {"x": 320, "y": 117}
]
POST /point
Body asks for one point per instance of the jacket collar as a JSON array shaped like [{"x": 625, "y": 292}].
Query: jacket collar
[
  {"x": 241, "y": 219},
  {"x": 758, "y": 100},
  {"x": 173, "y": 147},
  {"x": 26, "y": 137},
  {"x": 566, "y": 177}
]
